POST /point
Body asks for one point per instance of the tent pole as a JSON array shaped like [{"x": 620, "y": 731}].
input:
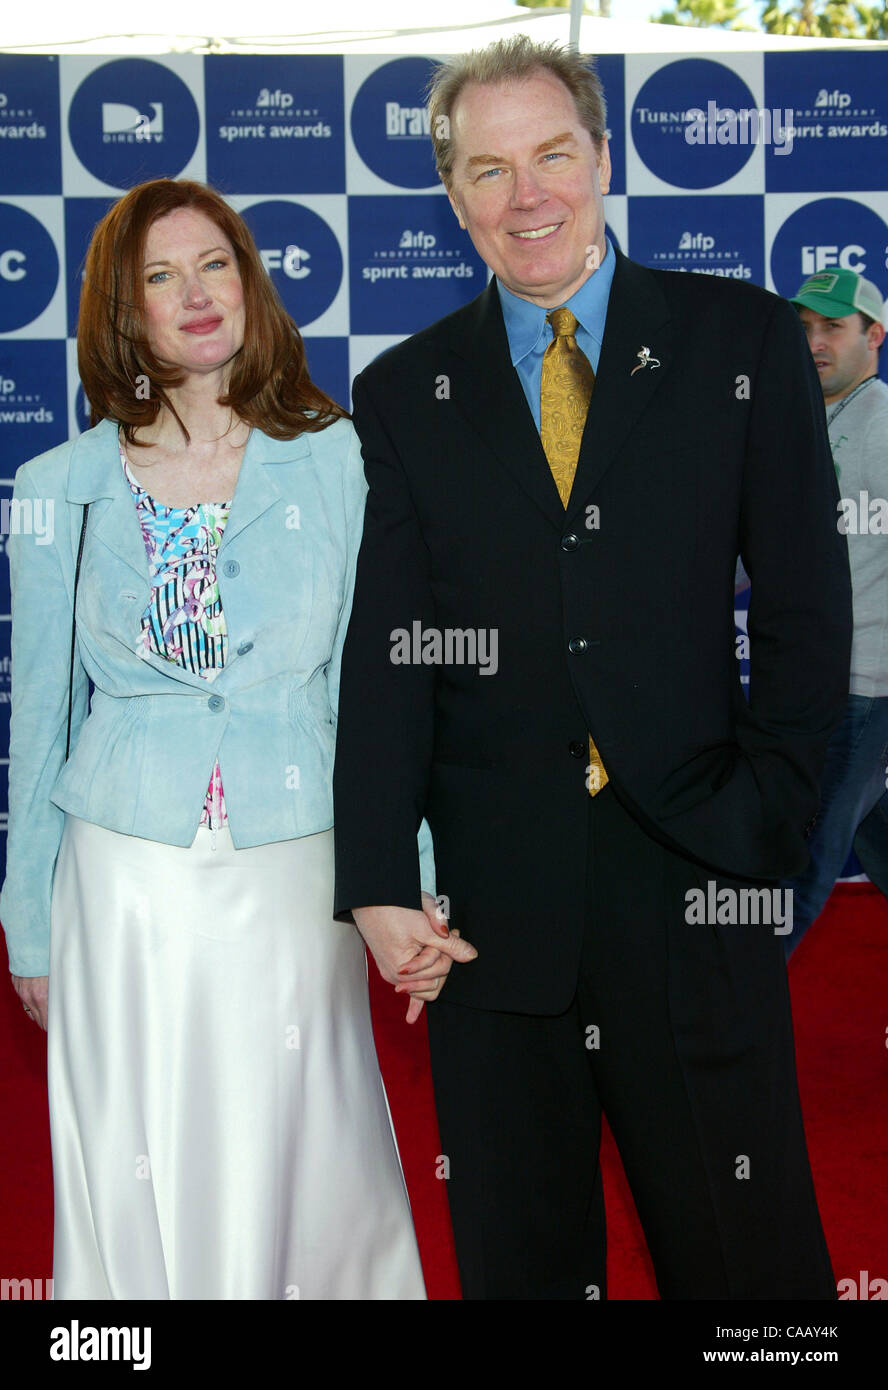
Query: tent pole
[{"x": 576, "y": 14}]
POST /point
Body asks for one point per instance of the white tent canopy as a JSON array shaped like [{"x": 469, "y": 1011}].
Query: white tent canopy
[{"x": 354, "y": 26}]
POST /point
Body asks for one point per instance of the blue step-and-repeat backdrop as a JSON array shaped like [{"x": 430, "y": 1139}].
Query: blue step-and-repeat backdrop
[{"x": 762, "y": 167}]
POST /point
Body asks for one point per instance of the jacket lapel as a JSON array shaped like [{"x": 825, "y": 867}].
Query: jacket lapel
[
  {"x": 637, "y": 317},
  {"x": 496, "y": 407},
  {"x": 95, "y": 475},
  {"x": 95, "y": 472},
  {"x": 494, "y": 402}
]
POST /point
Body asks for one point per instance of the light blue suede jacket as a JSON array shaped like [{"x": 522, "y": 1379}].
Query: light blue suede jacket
[{"x": 142, "y": 753}]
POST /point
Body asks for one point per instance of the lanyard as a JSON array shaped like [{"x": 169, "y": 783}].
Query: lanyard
[{"x": 846, "y": 400}]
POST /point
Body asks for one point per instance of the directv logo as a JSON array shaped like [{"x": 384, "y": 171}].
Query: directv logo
[{"x": 122, "y": 123}]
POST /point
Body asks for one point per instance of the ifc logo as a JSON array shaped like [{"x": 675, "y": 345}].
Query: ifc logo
[
  {"x": 660, "y": 119},
  {"x": 390, "y": 124},
  {"x": 829, "y": 232},
  {"x": 133, "y": 120},
  {"x": 301, "y": 254},
  {"x": 29, "y": 268}
]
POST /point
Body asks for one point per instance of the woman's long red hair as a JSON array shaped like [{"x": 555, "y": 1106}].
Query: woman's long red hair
[{"x": 269, "y": 386}]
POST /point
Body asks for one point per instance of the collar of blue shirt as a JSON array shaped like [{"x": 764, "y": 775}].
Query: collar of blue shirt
[{"x": 526, "y": 325}]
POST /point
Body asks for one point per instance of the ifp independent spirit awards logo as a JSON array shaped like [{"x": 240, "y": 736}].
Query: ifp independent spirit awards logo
[
  {"x": 718, "y": 236},
  {"x": 411, "y": 263},
  {"x": 275, "y": 125},
  {"x": 840, "y": 121}
]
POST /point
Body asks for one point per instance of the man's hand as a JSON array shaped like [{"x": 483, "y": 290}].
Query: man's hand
[
  {"x": 413, "y": 950},
  {"x": 34, "y": 994}
]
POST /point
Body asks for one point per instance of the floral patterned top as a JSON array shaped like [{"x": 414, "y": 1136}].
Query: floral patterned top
[{"x": 184, "y": 621}]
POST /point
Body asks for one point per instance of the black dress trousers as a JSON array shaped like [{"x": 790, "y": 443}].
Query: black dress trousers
[{"x": 699, "y": 1090}]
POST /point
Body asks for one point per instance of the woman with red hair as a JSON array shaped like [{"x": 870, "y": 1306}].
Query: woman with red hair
[{"x": 219, "y": 1125}]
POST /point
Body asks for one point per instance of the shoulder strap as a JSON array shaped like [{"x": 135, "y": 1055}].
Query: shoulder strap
[{"x": 74, "y": 625}]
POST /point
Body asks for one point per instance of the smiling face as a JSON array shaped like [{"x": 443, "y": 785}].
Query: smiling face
[
  {"x": 844, "y": 351},
  {"x": 527, "y": 185},
  {"x": 194, "y": 300}
]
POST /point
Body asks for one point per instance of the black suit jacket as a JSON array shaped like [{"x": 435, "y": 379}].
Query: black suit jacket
[{"x": 625, "y": 630}]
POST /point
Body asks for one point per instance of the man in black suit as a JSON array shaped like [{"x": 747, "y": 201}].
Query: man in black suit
[{"x": 610, "y": 817}]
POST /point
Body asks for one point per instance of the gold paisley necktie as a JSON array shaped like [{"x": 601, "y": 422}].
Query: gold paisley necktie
[{"x": 565, "y": 392}]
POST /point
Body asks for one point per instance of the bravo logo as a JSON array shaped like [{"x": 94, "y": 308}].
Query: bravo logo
[
  {"x": 29, "y": 268},
  {"x": 133, "y": 119},
  {"x": 829, "y": 232},
  {"x": 406, "y": 120},
  {"x": 301, "y": 254},
  {"x": 390, "y": 125}
]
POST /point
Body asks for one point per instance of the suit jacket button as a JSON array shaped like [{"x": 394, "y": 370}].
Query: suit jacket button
[
  {"x": 216, "y": 703},
  {"x": 577, "y": 644},
  {"x": 570, "y": 542},
  {"x": 231, "y": 568},
  {"x": 244, "y": 648},
  {"x": 577, "y": 749}
]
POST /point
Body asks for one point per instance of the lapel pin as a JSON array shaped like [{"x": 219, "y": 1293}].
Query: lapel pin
[{"x": 644, "y": 360}]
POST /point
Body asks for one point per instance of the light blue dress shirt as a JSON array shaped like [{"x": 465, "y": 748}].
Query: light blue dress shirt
[{"x": 529, "y": 334}]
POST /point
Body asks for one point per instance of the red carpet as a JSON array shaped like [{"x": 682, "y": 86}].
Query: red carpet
[{"x": 838, "y": 979}]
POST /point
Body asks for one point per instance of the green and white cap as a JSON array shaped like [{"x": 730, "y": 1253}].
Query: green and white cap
[{"x": 835, "y": 293}]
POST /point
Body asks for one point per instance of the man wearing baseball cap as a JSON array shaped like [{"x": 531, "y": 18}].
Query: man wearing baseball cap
[{"x": 843, "y": 318}]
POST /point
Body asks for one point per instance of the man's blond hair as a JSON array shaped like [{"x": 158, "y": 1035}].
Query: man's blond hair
[{"x": 511, "y": 60}]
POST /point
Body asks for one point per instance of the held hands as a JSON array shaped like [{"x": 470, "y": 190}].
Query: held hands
[
  {"x": 414, "y": 950},
  {"x": 34, "y": 994}
]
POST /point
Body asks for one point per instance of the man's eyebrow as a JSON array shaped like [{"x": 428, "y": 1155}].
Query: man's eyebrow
[{"x": 566, "y": 138}]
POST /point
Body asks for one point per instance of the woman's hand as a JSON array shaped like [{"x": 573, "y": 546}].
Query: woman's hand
[
  {"x": 413, "y": 950},
  {"x": 34, "y": 994},
  {"x": 430, "y": 968}
]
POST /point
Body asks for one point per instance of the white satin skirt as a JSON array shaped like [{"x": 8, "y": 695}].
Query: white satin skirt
[{"x": 219, "y": 1124}]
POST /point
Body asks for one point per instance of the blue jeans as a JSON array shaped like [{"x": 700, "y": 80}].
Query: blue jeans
[{"x": 853, "y": 812}]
